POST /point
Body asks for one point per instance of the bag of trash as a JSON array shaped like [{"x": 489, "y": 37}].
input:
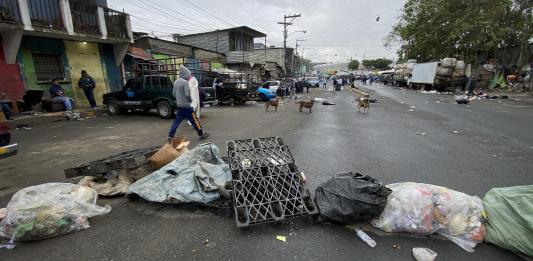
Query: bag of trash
[
  {"x": 348, "y": 198},
  {"x": 426, "y": 209},
  {"x": 449, "y": 62},
  {"x": 169, "y": 152},
  {"x": 509, "y": 213},
  {"x": 444, "y": 71},
  {"x": 461, "y": 65},
  {"x": 50, "y": 210},
  {"x": 196, "y": 176}
]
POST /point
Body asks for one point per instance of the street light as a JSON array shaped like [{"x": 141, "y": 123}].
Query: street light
[{"x": 304, "y": 32}]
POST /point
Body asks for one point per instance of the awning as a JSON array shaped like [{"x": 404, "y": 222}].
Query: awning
[{"x": 138, "y": 53}]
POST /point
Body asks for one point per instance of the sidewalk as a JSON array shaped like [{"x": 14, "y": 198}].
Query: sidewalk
[{"x": 33, "y": 118}]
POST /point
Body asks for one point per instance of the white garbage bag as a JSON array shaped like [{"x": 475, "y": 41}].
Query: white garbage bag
[
  {"x": 50, "y": 210},
  {"x": 426, "y": 209}
]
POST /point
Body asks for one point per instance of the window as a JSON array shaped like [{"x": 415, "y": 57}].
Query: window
[
  {"x": 48, "y": 67},
  {"x": 135, "y": 84}
]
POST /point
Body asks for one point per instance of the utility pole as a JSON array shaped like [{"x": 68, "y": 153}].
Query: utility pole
[
  {"x": 298, "y": 40},
  {"x": 285, "y": 34}
]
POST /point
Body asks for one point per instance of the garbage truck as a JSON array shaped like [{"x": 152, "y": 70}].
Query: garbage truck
[{"x": 438, "y": 75}]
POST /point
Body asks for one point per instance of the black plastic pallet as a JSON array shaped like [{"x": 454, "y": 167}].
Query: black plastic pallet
[{"x": 267, "y": 185}]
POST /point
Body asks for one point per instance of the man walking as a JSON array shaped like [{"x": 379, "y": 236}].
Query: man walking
[
  {"x": 88, "y": 84},
  {"x": 182, "y": 92}
]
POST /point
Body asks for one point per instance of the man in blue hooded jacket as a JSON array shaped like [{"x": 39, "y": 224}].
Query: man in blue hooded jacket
[{"x": 182, "y": 92}]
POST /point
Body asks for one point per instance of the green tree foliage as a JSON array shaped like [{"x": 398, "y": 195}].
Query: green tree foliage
[
  {"x": 380, "y": 64},
  {"x": 433, "y": 29},
  {"x": 353, "y": 65}
]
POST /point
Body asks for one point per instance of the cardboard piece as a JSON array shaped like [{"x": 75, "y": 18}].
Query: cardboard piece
[
  {"x": 2, "y": 117},
  {"x": 169, "y": 152}
]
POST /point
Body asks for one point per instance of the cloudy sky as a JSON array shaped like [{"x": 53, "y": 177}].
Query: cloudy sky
[{"x": 337, "y": 30}]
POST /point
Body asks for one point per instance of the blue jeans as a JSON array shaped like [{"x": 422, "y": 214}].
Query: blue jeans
[
  {"x": 66, "y": 101},
  {"x": 6, "y": 110},
  {"x": 185, "y": 113},
  {"x": 89, "y": 93}
]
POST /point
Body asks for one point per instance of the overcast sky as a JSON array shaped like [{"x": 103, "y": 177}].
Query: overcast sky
[{"x": 336, "y": 29}]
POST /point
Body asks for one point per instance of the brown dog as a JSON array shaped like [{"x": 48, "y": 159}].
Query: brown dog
[
  {"x": 364, "y": 102},
  {"x": 274, "y": 103},
  {"x": 306, "y": 104}
]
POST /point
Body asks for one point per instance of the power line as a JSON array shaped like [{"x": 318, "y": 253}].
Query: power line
[
  {"x": 208, "y": 13},
  {"x": 207, "y": 25},
  {"x": 160, "y": 11},
  {"x": 162, "y": 25}
]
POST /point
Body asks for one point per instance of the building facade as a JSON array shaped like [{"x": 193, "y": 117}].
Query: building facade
[
  {"x": 46, "y": 39},
  {"x": 236, "y": 43}
]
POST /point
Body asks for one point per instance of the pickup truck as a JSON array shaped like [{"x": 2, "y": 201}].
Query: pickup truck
[{"x": 149, "y": 92}]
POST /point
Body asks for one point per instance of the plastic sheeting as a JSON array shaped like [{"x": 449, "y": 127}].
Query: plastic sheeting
[
  {"x": 426, "y": 209},
  {"x": 509, "y": 214},
  {"x": 50, "y": 210},
  {"x": 195, "y": 176}
]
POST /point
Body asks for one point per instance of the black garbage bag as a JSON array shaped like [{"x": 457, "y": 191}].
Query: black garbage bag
[{"x": 349, "y": 198}]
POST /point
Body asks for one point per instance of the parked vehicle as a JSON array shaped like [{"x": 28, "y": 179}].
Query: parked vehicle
[
  {"x": 267, "y": 91},
  {"x": 313, "y": 82},
  {"x": 238, "y": 88},
  {"x": 6, "y": 149},
  {"x": 438, "y": 75},
  {"x": 143, "y": 93}
]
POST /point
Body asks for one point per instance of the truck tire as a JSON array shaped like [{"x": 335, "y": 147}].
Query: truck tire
[
  {"x": 113, "y": 107},
  {"x": 164, "y": 110},
  {"x": 239, "y": 101}
]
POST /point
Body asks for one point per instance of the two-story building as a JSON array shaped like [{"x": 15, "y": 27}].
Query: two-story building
[
  {"x": 277, "y": 65},
  {"x": 236, "y": 43},
  {"x": 45, "y": 39}
]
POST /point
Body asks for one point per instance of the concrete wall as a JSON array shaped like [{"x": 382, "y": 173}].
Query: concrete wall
[
  {"x": 86, "y": 56},
  {"x": 31, "y": 45},
  {"x": 111, "y": 70},
  {"x": 10, "y": 79}
]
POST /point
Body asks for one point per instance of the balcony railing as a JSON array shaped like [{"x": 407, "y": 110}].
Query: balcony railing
[
  {"x": 245, "y": 57},
  {"x": 46, "y": 13},
  {"x": 84, "y": 17},
  {"x": 9, "y": 12},
  {"x": 115, "y": 22}
]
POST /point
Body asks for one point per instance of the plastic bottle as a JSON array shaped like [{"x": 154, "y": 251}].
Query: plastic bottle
[{"x": 363, "y": 236}]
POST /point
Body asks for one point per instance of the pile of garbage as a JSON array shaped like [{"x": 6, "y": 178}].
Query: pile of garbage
[
  {"x": 450, "y": 69},
  {"x": 261, "y": 179},
  {"x": 49, "y": 210}
]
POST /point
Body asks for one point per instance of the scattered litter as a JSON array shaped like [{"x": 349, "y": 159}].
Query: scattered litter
[
  {"x": 413, "y": 107},
  {"x": 426, "y": 102},
  {"x": 429, "y": 92},
  {"x": 348, "y": 198},
  {"x": 169, "y": 152},
  {"x": 462, "y": 99},
  {"x": 397, "y": 247},
  {"x": 504, "y": 97},
  {"x": 10, "y": 244},
  {"x": 437, "y": 101},
  {"x": 410, "y": 110},
  {"x": 455, "y": 131},
  {"x": 197, "y": 176},
  {"x": 328, "y": 103},
  {"x": 110, "y": 127},
  {"x": 50, "y": 210},
  {"x": 494, "y": 155},
  {"x": 424, "y": 254},
  {"x": 281, "y": 238},
  {"x": 509, "y": 212},
  {"x": 421, "y": 133},
  {"x": 426, "y": 209},
  {"x": 366, "y": 238},
  {"x": 3, "y": 212},
  {"x": 23, "y": 127}
]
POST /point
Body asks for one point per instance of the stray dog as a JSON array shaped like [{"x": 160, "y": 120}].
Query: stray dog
[
  {"x": 274, "y": 103},
  {"x": 364, "y": 102},
  {"x": 306, "y": 104}
]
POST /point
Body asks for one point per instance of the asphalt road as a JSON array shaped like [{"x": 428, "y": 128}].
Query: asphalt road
[{"x": 470, "y": 148}]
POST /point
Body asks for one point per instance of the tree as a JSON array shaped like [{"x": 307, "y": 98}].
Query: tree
[
  {"x": 433, "y": 29},
  {"x": 353, "y": 65},
  {"x": 380, "y": 64}
]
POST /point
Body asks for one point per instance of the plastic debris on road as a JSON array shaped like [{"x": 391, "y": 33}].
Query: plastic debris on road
[
  {"x": 196, "y": 176},
  {"x": 366, "y": 238},
  {"x": 509, "y": 213},
  {"x": 424, "y": 254},
  {"x": 426, "y": 209},
  {"x": 50, "y": 210},
  {"x": 281, "y": 238},
  {"x": 349, "y": 198}
]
